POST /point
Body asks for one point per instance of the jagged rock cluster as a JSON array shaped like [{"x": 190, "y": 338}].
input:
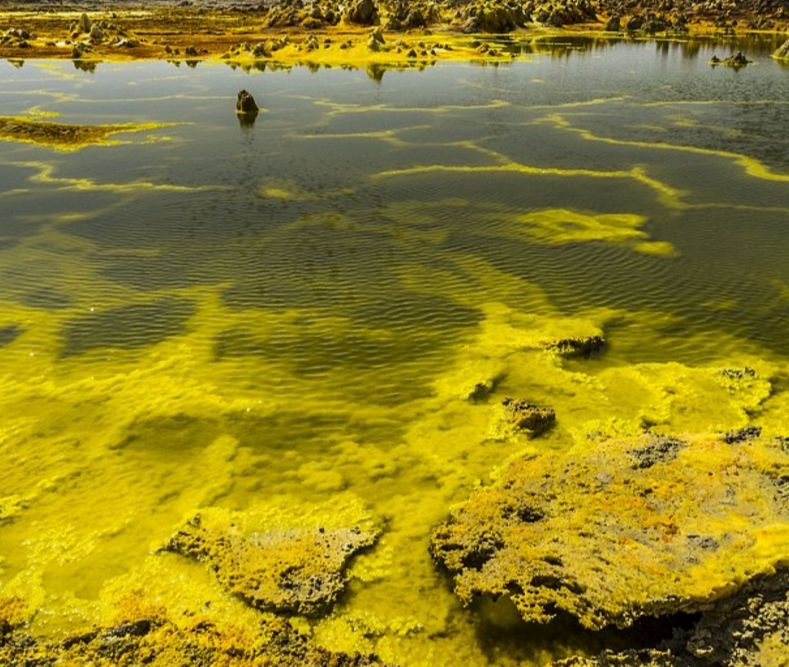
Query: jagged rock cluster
[
  {"x": 86, "y": 33},
  {"x": 502, "y": 16},
  {"x": 17, "y": 37}
]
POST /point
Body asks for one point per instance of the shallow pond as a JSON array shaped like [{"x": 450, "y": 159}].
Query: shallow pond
[{"x": 291, "y": 310}]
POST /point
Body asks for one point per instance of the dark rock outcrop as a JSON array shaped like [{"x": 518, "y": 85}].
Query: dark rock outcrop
[
  {"x": 736, "y": 61},
  {"x": 494, "y": 17},
  {"x": 362, "y": 12},
  {"x": 245, "y": 104},
  {"x": 579, "y": 346}
]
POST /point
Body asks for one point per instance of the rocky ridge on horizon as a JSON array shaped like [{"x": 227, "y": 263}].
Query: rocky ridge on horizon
[{"x": 649, "y": 16}]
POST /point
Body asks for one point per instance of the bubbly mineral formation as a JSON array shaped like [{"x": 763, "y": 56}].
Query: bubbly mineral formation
[
  {"x": 615, "y": 530},
  {"x": 274, "y": 566}
]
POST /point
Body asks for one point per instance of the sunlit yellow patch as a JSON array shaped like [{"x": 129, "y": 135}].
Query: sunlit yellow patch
[
  {"x": 782, "y": 287},
  {"x": 599, "y": 101},
  {"x": 692, "y": 123},
  {"x": 37, "y": 113},
  {"x": 723, "y": 304},
  {"x": 560, "y": 226}
]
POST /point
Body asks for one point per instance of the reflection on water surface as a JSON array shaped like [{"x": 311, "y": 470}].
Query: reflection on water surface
[{"x": 212, "y": 313}]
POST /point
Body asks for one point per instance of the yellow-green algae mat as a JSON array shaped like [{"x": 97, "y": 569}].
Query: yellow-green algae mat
[{"x": 615, "y": 530}]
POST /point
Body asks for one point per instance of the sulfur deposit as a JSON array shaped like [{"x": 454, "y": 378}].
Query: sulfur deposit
[
  {"x": 616, "y": 530},
  {"x": 153, "y": 638},
  {"x": 294, "y": 568}
]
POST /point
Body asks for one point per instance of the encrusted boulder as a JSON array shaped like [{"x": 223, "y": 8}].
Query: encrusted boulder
[
  {"x": 245, "y": 103},
  {"x": 84, "y": 22},
  {"x": 517, "y": 417},
  {"x": 492, "y": 17},
  {"x": 362, "y": 12},
  {"x": 529, "y": 417},
  {"x": 280, "y": 563},
  {"x": 620, "y": 529},
  {"x": 376, "y": 41}
]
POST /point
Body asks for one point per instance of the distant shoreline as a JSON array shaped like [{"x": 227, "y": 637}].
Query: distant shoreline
[{"x": 358, "y": 33}]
